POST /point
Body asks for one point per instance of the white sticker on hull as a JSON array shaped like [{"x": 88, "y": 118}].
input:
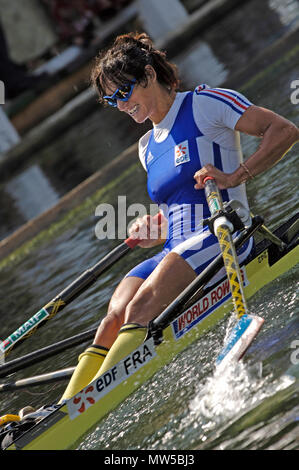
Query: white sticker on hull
[
  {"x": 110, "y": 379},
  {"x": 204, "y": 307}
]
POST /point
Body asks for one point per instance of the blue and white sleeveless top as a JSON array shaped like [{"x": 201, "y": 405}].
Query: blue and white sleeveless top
[{"x": 198, "y": 129}]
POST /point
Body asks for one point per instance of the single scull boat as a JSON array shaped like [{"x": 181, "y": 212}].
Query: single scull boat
[{"x": 196, "y": 310}]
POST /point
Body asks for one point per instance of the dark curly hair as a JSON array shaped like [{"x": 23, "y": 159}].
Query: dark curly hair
[{"x": 128, "y": 56}]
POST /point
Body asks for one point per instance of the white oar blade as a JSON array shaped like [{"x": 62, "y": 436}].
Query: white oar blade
[{"x": 240, "y": 339}]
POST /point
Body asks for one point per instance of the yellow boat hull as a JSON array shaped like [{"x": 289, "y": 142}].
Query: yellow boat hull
[{"x": 67, "y": 425}]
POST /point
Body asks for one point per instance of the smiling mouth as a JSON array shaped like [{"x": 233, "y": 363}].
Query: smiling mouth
[{"x": 133, "y": 110}]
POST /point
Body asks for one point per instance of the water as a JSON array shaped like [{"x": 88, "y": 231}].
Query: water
[{"x": 186, "y": 405}]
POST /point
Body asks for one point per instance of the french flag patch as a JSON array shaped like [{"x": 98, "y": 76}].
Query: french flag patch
[{"x": 201, "y": 87}]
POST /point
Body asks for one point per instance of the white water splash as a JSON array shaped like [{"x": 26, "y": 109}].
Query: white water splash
[{"x": 231, "y": 391}]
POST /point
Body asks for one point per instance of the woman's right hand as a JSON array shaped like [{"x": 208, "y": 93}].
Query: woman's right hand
[{"x": 149, "y": 229}]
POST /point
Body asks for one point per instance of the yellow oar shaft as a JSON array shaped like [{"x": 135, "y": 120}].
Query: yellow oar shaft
[
  {"x": 223, "y": 229},
  {"x": 232, "y": 269}
]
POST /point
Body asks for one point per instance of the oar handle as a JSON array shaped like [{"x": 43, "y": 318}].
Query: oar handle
[
  {"x": 213, "y": 195},
  {"x": 132, "y": 242}
]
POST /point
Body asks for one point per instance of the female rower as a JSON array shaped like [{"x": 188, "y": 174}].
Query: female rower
[{"x": 194, "y": 135}]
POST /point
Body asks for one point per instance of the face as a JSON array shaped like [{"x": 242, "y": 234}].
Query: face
[{"x": 141, "y": 105}]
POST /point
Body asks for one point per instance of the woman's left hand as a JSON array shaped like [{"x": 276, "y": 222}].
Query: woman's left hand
[{"x": 223, "y": 180}]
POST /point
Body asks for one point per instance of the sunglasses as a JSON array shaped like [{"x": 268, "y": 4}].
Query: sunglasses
[{"x": 123, "y": 93}]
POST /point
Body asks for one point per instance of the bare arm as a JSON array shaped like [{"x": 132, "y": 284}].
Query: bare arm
[{"x": 278, "y": 136}]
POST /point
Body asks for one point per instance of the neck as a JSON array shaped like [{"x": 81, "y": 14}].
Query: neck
[{"x": 163, "y": 102}]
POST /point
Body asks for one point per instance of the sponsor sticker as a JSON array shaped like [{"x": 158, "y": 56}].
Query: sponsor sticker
[
  {"x": 93, "y": 392},
  {"x": 24, "y": 329},
  {"x": 181, "y": 153},
  {"x": 204, "y": 307}
]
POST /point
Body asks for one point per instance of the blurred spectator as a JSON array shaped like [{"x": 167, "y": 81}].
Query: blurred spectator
[
  {"x": 75, "y": 20},
  {"x": 15, "y": 77}
]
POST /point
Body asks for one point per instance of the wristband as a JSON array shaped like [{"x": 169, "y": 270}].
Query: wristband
[{"x": 247, "y": 170}]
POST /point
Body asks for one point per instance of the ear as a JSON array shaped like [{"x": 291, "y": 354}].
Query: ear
[{"x": 150, "y": 73}]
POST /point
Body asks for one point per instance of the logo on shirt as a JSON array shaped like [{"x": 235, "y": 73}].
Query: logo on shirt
[
  {"x": 201, "y": 87},
  {"x": 181, "y": 153}
]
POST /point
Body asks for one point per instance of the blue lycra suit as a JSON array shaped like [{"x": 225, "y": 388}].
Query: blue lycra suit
[{"x": 198, "y": 129}]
